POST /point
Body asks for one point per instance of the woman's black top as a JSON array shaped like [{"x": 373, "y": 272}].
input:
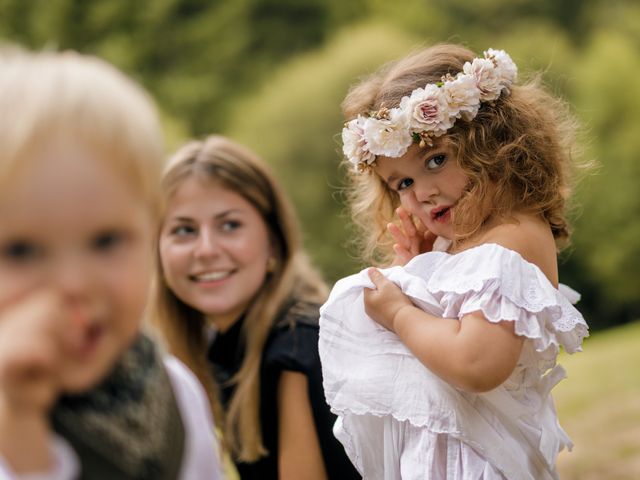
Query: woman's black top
[{"x": 291, "y": 346}]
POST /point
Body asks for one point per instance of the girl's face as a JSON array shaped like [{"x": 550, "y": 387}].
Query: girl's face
[
  {"x": 72, "y": 227},
  {"x": 214, "y": 248},
  {"x": 429, "y": 183}
]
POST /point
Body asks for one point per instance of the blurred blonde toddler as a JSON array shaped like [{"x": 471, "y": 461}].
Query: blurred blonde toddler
[{"x": 83, "y": 393}]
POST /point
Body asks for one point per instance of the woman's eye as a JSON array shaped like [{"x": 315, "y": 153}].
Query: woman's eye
[
  {"x": 404, "y": 183},
  {"x": 183, "y": 230},
  {"x": 107, "y": 241},
  {"x": 436, "y": 162},
  {"x": 230, "y": 225},
  {"x": 20, "y": 251}
]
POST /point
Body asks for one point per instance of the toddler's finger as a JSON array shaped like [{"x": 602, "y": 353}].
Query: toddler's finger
[
  {"x": 376, "y": 277},
  {"x": 10, "y": 298},
  {"x": 398, "y": 235},
  {"x": 402, "y": 255}
]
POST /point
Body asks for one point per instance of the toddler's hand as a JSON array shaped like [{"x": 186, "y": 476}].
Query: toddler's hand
[
  {"x": 384, "y": 302},
  {"x": 412, "y": 238},
  {"x": 35, "y": 333}
]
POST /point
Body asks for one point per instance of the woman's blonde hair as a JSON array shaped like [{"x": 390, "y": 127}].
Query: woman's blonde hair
[
  {"x": 230, "y": 165},
  {"x": 517, "y": 151},
  {"x": 78, "y": 98}
]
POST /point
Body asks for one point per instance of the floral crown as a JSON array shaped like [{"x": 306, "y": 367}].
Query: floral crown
[{"x": 428, "y": 112}]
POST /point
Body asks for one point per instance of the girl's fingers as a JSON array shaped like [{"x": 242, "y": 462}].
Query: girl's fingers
[
  {"x": 376, "y": 277},
  {"x": 402, "y": 255},
  {"x": 407, "y": 222},
  {"x": 398, "y": 235}
]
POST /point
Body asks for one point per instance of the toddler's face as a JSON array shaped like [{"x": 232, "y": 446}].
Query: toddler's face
[
  {"x": 71, "y": 226},
  {"x": 429, "y": 183}
]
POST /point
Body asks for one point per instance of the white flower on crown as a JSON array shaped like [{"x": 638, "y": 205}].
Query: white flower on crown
[
  {"x": 354, "y": 144},
  {"x": 428, "y": 112},
  {"x": 507, "y": 70},
  {"x": 388, "y": 137},
  {"x": 462, "y": 97}
]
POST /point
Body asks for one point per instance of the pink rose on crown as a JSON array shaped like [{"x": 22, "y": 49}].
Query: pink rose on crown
[
  {"x": 462, "y": 96},
  {"x": 428, "y": 110}
]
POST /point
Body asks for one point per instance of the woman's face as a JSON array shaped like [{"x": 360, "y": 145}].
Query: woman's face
[{"x": 214, "y": 250}]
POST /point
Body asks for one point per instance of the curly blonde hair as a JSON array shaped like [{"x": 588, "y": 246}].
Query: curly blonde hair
[{"x": 517, "y": 152}]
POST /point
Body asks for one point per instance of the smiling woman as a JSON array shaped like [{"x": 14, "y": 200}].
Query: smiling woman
[{"x": 237, "y": 301}]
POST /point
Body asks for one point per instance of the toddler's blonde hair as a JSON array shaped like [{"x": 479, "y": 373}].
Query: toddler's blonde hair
[{"x": 66, "y": 96}]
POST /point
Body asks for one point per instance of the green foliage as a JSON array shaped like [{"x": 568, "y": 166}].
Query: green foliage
[
  {"x": 608, "y": 238},
  {"x": 294, "y": 122},
  {"x": 194, "y": 55}
]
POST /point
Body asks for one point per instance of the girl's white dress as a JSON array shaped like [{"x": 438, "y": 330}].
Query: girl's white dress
[{"x": 397, "y": 420}]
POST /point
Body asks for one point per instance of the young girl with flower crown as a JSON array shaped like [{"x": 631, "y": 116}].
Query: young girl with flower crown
[{"x": 441, "y": 366}]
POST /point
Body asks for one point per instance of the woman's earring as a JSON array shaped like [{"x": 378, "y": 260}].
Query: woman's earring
[{"x": 271, "y": 264}]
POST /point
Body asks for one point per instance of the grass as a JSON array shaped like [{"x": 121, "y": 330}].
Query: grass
[{"x": 599, "y": 407}]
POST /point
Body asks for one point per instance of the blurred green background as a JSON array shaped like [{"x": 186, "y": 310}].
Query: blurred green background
[{"x": 272, "y": 74}]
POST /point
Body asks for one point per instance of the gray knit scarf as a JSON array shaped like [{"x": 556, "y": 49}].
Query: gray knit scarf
[{"x": 128, "y": 427}]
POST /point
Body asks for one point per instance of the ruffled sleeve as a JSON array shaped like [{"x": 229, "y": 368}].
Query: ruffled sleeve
[{"x": 505, "y": 287}]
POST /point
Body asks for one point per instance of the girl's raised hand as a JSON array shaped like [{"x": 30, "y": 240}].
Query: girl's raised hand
[
  {"x": 384, "y": 302},
  {"x": 412, "y": 237}
]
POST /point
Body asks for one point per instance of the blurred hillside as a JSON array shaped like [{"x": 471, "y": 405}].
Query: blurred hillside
[
  {"x": 599, "y": 407},
  {"x": 272, "y": 73}
]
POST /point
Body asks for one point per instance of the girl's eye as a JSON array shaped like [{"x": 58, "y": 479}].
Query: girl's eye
[
  {"x": 107, "y": 241},
  {"x": 404, "y": 183},
  {"x": 436, "y": 161},
  {"x": 20, "y": 251},
  {"x": 230, "y": 225}
]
